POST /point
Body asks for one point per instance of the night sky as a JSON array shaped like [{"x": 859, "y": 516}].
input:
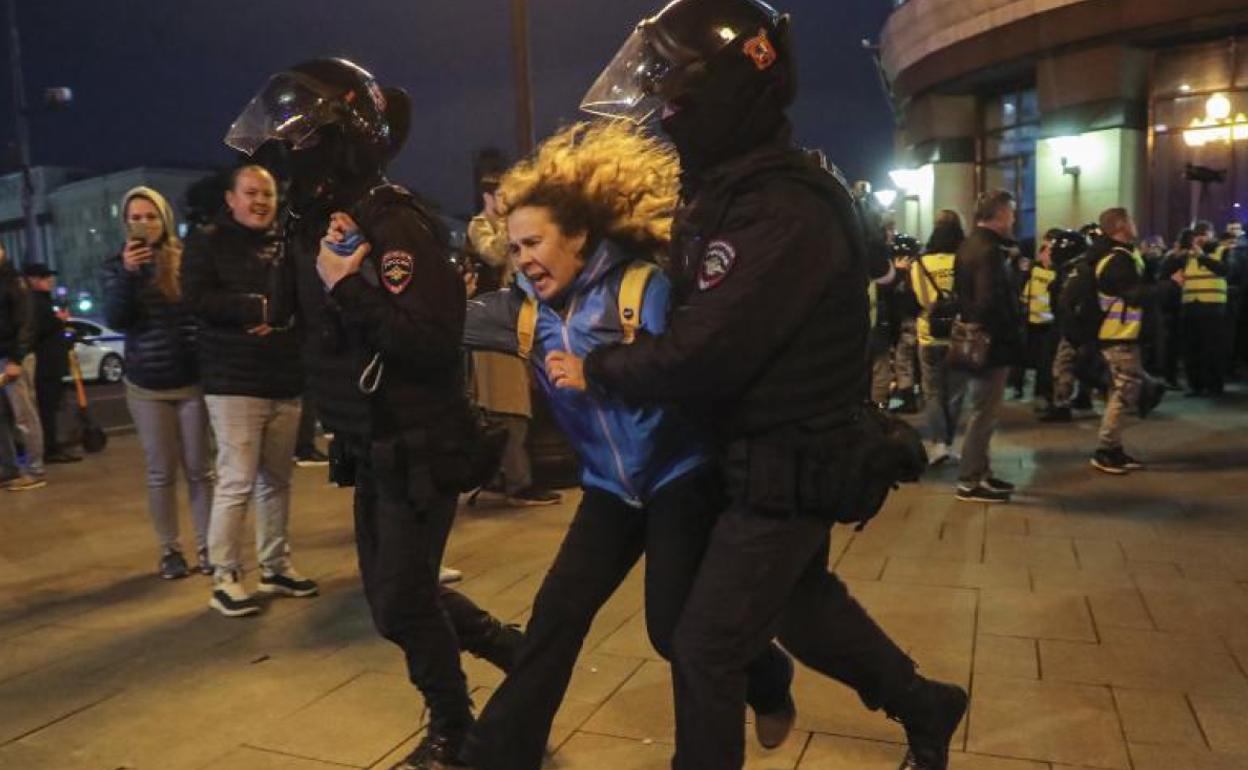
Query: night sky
[{"x": 158, "y": 83}]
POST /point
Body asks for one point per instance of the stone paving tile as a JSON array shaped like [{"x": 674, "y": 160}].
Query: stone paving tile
[
  {"x": 1224, "y": 721},
  {"x": 590, "y": 751},
  {"x": 259, "y": 759},
  {"x": 1151, "y": 716},
  {"x": 1213, "y": 607},
  {"x": 1144, "y": 660},
  {"x": 1007, "y": 612},
  {"x": 828, "y": 752},
  {"x": 1045, "y": 721},
  {"x": 355, "y": 724},
  {"x": 1031, "y": 550},
  {"x": 1010, "y": 656},
  {"x": 959, "y": 574},
  {"x": 1153, "y": 757},
  {"x": 641, "y": 709}
]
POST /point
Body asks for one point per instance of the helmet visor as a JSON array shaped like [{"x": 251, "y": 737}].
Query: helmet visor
[
  {"x": 288, "y": 109},
  {"x": 632, "y": 84}
]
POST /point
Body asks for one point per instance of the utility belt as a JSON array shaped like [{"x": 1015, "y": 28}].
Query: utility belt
[
  {"x": 458, "y": 453},
  {"x": 838, "y": 470}
]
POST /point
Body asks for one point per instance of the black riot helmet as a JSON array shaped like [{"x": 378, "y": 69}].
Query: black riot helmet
[
  {"x": 1091, "y": 232},
  {"x": 720, "y": 72},
  {"x": 1066, "y": 245},
  {"x": 329, "y": 124},
  {"x": 906, "y": 246}
]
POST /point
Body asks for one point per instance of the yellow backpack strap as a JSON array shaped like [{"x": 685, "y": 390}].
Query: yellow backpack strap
[
  {"x": 526, "y": 328},
  {"x": 632, "y": 290}
]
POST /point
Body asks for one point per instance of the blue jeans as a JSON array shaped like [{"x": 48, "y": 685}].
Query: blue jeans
[{"x": 255, "y": 455}]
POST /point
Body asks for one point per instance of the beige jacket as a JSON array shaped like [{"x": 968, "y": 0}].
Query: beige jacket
[{"x": 500, "y": 382}]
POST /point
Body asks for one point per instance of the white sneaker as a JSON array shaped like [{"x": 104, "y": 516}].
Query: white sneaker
[
  {"x": 448, "y": 575},
  {"x": 938, "y": 455},
  {"x": 230, "y": 598}
]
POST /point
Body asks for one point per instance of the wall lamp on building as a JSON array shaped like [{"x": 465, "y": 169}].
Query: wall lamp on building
[
  {"x": 1217, "y": 125},
  {"x": 915, "y": 181},
  {"x": 1074, "y": 153},
  {"x": 886, "y": 198}
]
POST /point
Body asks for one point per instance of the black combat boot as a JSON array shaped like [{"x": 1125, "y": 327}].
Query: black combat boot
[
  {"x": 930, "y": 711},
  {"x": 480, "y": 633},
  {"x": 439, "y": 749}
]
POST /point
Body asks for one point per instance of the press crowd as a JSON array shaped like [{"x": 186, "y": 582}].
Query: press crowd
[{"x": 1096, "y": 313}]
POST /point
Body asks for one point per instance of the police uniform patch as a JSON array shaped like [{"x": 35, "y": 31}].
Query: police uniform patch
[
  {"x": 761, "y": 51},
  {"x": 719, "y": 258},
  {"x": 396, "y": 271}
]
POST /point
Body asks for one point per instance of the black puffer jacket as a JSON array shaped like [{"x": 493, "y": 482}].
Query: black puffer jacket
[
  {"x": 17, "y": 329},
  {"x": 161, "y": 349},
  {"x": 235, "y": 279}
]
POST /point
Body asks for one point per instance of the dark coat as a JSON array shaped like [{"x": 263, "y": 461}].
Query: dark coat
[
  {"x": 161, "y": 351},
  {"x": 51, "y": 343},
  {"x": 772, "y": 330},
  {"x": 17, "y": 329},
  {"x": 987, "y": 297},
  {"x": 235, "y": 279}
]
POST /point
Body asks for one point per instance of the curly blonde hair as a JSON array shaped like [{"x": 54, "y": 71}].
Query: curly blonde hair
[{"x": 609, "y": 179}]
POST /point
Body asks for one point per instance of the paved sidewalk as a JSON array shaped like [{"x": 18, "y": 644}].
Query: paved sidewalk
[{"x": 1099, "y": 623}]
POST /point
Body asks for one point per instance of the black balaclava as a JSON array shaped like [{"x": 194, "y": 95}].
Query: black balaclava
[{"x": 733, "y": 111}]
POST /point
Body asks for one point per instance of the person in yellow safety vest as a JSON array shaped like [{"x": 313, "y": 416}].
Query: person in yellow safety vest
[
  {"x": 1123, "y": 295},
  {"x": 1041, "y": 330},
  {"x": 944, "y": 389},
  {"x": 1204, "y": 313}
]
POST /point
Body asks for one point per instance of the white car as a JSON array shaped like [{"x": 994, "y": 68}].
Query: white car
[{"x": 101, "y": 351}]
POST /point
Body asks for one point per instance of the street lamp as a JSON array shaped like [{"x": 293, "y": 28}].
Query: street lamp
[{"x": 53, "y": 98}]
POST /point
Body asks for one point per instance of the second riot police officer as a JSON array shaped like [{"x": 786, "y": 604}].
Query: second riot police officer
[
  {"x": 383, "y": 315},
  {"x": 770, "y": 346}
]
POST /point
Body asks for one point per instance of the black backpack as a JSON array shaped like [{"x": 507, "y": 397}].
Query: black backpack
[{"x": 1080, "y": 306}]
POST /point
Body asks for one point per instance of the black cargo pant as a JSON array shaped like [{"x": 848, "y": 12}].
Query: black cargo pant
[
  {"x": 401, "y": 529},
  {"x": 765, "y": 577},
  {"x": 604, "y": 542},
  {"x": 1204, "y": 345}
]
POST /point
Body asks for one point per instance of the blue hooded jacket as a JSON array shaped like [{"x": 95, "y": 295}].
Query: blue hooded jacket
[{"x": 629, "y": 451}]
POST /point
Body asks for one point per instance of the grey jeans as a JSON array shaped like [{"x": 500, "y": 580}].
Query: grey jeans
[
  {"x": 255, "y": 453},
  {"x": 174, "y": 435},
  {"x": 21, "y": 397},
  {"x": 984, "y": 394},
  {"x": 943, "y": 392}
]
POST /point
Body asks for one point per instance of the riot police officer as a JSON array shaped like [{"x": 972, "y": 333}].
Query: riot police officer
[
  {"x": 769, "y": 345},
  {"x": 383, "y": 312}
]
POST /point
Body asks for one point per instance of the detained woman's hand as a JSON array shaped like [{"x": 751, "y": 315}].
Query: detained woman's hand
[{"x": 566, "y": 371}]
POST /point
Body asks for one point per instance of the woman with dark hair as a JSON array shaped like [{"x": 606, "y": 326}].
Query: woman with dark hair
[
  {"x": 143, "y": 298},
  {"x": 943, "y": 389}
]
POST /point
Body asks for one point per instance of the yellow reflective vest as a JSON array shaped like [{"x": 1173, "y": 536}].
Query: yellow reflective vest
[
  {"x": 941, "y": 268},
  {"x": 1123, "y": 322},
  {"x": 1036, "y": 296},
  {"x": 1202, "y": 284}
]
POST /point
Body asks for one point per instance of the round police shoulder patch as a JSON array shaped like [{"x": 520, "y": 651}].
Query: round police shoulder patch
[
  {"x": 718, "y": 260},
  {"x": 396, "y": 270}
]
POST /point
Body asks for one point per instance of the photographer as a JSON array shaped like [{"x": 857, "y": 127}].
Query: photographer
[{"x": 143, "y": 299}]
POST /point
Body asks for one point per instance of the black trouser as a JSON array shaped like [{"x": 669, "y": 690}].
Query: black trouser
[
  {"x": 305, "y": 439},
  {"x": 604, "y": 542},
  {"x": 401, "y": 531},
  {"x": 1204, "y": 345},
  {"x": 765, "y": 577},
  {"x": 50, "y": 394},
  {"x": 1041, "y": 349}
]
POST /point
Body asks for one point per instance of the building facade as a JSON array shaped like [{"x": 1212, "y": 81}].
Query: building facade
[
  {"x": 1074, "y": 105},
  {"x": 79, "y": 216}
]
